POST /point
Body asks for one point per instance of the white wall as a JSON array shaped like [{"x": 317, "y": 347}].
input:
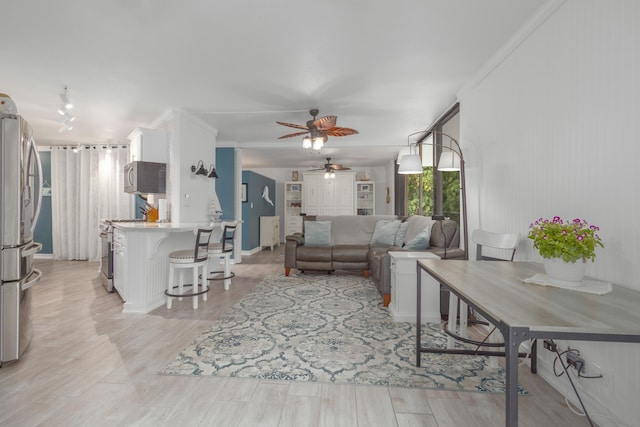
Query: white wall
[
  {"x": 552, "y": 128},
  {"x": 190, "y": 141}
]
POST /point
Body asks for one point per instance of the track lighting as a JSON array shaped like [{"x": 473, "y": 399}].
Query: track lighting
[
  {"x": 212, "y": 172},
  {"x": 65, "y": 126},
  {"x": 66, "y": 116},
  {"x": 67, "y": 104}
]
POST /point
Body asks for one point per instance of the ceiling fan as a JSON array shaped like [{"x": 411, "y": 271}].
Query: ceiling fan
[
  {"x": 319, "y": 130},
  {"x": 330, "y": 168}
]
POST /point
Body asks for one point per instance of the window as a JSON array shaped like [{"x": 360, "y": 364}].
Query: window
[{"x": 433, "y": 192}]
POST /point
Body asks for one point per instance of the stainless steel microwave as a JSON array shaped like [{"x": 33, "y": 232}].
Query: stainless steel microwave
[{"x": 145, "y": 178}]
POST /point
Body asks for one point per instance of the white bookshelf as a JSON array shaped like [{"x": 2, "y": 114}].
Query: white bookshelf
[
  {"x": 292, "y": 207},
  {"x": 365, "y": 198}
]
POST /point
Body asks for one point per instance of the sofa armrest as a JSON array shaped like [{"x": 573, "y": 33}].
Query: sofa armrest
[{"x": 295, "y": 237}]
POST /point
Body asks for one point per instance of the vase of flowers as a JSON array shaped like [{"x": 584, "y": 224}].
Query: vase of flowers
[{"x": 565, "y": 246}]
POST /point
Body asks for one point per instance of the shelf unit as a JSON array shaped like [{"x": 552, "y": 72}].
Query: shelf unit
[
  {"x": 365, "y": 198},
  {"x": 292, "y": 207}
]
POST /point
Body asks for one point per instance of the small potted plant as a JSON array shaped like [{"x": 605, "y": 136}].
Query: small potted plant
[{"x": 565, "y": 246}]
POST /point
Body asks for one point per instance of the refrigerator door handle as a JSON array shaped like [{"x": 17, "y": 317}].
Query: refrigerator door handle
[
  {"x": 32, "y": 281},
  {"x": 36, "y": 156},
  {"x": 33, "y": 248}
]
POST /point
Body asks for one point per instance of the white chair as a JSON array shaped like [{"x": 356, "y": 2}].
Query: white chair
[
  {"x": 194, "y": 259},
  {"x": 500, "y": 247},
  {"x": 221, "y": 252}
]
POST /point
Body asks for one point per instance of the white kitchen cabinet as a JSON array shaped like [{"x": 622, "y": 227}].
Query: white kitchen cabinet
[
  {"x": 269, "y": 231},
  {"x": 365, "y": 198},
  {"x": 403, "y": 303},
  {"x": 329, "y": 196},
  {"x": 312, "y": 188},
  {"x": 149, "y": 145}
]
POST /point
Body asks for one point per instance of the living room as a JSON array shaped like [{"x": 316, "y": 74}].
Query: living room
[{"x": 541, "y": 124}]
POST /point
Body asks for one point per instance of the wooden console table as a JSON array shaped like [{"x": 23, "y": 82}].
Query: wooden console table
[{"x": 528, "y": 311}]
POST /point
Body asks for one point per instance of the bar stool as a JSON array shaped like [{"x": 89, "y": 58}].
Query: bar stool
[
  {"x": 195, "y": 259},
  {"x": 222, "y": 251}
]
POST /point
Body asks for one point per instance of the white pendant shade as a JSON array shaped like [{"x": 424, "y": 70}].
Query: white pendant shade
[
  {"x": 449, "y": 161},
  {"x": 403, "y": 152},
  {"x": 410, "y": 164}
]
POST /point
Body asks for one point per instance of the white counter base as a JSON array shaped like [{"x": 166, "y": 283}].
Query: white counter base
[
  {"x": 142, "y": 266},
  {"x": 403, "y": 288}
]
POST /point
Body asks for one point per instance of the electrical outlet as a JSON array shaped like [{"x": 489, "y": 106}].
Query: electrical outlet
[
  {"x": 573, "y": 359},
  {"x": 549, "y": 345}
]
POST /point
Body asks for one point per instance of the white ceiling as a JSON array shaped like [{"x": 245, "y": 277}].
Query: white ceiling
[{"x": 386, "y": 69}]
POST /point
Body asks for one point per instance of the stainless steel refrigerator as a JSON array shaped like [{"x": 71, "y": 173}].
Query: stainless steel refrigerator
[{"x": 20, "y": 201}]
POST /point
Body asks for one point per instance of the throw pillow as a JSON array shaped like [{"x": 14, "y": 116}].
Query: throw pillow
[
  {"x": 420, "y": 241},
  {"x": 417, "y": 223},
  {"x": 317, "y": 233},
  {"x": 385, "y": 232},
  {"x": 401, "y": 234}
]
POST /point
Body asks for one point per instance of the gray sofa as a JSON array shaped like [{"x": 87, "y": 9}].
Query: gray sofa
[{"x": 361, "y": 243}]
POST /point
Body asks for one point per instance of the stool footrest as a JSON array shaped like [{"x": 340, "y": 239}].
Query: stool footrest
[
  {"x": 220, "y": 278},
  {"x": 191, "y": 294}
]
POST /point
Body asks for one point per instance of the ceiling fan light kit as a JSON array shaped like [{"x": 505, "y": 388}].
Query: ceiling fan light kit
[{"x": 317, "y": 131}]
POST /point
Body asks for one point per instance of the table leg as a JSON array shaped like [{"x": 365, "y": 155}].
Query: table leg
[
  {"x": 512, "y": 339},
  {"x": 418, "y": 313},
  {"x": 453, "y": 318}
]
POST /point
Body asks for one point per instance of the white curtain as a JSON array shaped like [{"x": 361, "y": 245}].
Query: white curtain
[{"x": 87, "y": 186}]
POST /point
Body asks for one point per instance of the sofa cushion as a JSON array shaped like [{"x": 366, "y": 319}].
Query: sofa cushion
[
  {"x": 352, "y": 229},
  {"x": 385, "y": 232},
  {"x": 317, "y": 233},
  {"x": 401, "y": 234},
  {"x": 420, "y": 240},
  {"x": 350, "y": 253},
  {"x": 445, "y": 233},
  {"x": 417, "y": 223}
]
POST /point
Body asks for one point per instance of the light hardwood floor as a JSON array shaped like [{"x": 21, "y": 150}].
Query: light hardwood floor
[{"x": 90, "y": 365}]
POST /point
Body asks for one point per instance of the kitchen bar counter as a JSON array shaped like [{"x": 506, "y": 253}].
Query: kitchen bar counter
[
  {"x": 159, "y": 226},
  {"x": 141, "y": 260}
]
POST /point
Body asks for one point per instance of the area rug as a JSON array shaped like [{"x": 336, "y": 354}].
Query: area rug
[{"x": 327, "y": 328}]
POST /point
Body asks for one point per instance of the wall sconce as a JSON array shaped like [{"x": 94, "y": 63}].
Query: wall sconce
[
  {"x": 199, "y": 169},
  {"x": 212, "y": 172}
]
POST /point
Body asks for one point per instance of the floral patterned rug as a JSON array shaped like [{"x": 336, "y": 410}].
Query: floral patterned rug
[{"x": 327, "y": 328}]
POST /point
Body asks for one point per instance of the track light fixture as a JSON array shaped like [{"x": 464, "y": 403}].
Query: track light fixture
[
  {"x": 212, "y": 172},
  {"x": 66, "y": 102},
  {"x": 65, "y": 126}
]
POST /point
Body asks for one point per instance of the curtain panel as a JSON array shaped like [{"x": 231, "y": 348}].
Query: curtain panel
[{"x": 87, "y": 186}]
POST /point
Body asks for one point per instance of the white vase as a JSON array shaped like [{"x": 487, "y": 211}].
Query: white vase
[{"x": 571, "y": 272}]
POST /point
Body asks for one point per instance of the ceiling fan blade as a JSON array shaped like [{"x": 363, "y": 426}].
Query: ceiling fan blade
[
  {"x": 293, "y": 125},
  {"x": 336, "y": 131},
  {"x": 338, "y": 167},
  {"x": 291, "y": 135},
  {"x": 325, "y": 123}
]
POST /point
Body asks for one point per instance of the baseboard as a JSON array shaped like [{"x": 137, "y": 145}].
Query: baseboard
[{"x": 251, "y": 251}]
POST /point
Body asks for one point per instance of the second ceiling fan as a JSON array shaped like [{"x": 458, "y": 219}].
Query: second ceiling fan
[
  {"x": 319, "y": 130},
  {"x": 330, "y": 168}
]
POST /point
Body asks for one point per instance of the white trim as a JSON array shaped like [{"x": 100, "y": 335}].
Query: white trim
[{"x": 511, "y": 45}]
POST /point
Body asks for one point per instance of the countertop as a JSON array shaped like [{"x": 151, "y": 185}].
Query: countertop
[{"x": 159, "y": 226}]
